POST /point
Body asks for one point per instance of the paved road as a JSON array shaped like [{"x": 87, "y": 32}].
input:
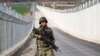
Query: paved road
[{"x": 71, "y": 46}]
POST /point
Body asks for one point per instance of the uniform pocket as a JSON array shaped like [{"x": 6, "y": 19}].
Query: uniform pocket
[{"x": 45, "y": 44}]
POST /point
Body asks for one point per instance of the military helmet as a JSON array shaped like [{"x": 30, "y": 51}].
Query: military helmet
[{"x": 43, "y": 19}]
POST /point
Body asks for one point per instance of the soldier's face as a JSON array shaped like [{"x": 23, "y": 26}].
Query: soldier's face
[{"x": 43, "y": 23}]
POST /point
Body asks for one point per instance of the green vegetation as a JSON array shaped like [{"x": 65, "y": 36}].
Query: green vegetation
[{"x": 21, "y": 8}]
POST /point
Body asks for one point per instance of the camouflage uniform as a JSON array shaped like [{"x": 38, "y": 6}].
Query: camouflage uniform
[{"x": 43, "y": 48}]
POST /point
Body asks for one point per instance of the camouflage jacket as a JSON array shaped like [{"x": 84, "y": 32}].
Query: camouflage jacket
[{"x": 40, "y": 41}]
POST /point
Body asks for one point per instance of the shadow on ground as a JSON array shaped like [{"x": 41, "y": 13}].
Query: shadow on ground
[{"x": 23, "y": 50}]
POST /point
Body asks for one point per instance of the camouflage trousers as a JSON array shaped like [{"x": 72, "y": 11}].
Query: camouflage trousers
[{"x": 46, "y": 51}]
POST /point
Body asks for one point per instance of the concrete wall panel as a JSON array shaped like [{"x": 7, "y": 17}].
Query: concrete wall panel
[{"x": 84, "y": 24}]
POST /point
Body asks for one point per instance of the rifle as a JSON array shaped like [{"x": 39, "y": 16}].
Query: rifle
[{"x": 46, "y": 39}]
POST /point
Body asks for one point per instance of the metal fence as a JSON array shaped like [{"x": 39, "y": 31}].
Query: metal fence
[
  {"x": 13, "y": 27},
  {"x": 78, "y": 8}
]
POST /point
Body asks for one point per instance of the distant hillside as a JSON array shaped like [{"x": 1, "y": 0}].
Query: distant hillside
[{"x": 21, "y": 8}]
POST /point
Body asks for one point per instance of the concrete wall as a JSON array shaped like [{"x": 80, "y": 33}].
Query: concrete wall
[{"x": 84, "y": 24}]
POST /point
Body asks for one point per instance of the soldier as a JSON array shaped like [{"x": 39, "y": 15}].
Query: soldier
[{"x": 44, "y": 48}]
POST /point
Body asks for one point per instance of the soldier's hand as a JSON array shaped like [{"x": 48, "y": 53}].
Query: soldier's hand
[{"x": 39, "y": 36}]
